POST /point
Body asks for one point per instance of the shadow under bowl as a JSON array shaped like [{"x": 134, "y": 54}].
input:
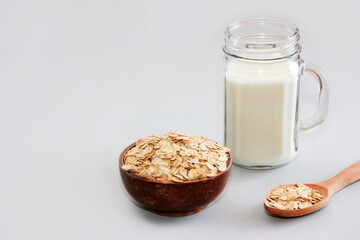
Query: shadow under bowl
[{"x": 173, "y": 198}]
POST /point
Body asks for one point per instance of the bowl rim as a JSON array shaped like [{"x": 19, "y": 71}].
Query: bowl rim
[{"x": 121, "y": 163}]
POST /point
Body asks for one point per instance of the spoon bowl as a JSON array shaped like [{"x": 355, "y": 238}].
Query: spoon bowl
[
  {"x": 326, "y": 188},
  {"x": 297, "y": 212}
]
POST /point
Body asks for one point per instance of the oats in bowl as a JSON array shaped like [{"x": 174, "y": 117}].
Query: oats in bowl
[
  {"x": 174, "y": 174},
  {"x": 176, "y": 157}
]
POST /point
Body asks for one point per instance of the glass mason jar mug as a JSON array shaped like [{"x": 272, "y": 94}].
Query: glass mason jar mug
[{"x": 262, "y": 76}]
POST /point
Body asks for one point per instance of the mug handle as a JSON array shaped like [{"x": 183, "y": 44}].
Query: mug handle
[{"x": 318, "y": 118}]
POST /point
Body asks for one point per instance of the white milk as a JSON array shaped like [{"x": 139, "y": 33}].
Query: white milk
[{"x": 261, "y": 112}]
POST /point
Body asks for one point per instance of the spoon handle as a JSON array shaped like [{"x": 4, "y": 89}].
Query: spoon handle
[{"x": 343, "y": 179}]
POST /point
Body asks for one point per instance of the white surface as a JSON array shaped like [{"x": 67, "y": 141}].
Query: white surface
[{"x": 81, "y": 80}]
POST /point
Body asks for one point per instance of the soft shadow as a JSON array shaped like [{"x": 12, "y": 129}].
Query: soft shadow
[
  {"x": 159, "y": 219},
  {"x": 255, "y": 217}
]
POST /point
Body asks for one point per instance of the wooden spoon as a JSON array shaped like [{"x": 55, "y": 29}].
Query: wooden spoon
[{"x": 326, "y": 188}]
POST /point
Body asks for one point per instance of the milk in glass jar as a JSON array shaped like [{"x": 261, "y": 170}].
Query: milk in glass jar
[{"x": 262, "y": 72}]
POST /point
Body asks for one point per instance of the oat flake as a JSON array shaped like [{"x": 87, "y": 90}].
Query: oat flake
[
  {"x": 176, "y": 157},
  {"x": 297, "y": 197}
]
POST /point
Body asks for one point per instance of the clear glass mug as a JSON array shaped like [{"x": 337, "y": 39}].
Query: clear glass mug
[{"x": 262, "y": 69}]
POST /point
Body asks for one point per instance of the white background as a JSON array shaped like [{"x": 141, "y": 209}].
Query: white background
[{"x": 81, "y": 80}]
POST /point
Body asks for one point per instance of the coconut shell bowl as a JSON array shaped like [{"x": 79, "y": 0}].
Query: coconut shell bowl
[{"x": 173, "y": 199}]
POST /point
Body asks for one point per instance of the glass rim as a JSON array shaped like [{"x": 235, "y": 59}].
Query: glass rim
[
  {"x": 262, "y": 39},
  {"x": 265, "y": 21}
]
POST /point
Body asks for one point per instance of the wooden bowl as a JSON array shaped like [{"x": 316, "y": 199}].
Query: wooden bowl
[{"x": 173, "y": 199}]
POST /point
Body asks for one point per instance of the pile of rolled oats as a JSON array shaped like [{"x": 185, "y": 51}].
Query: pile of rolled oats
[
  {"x": 298, "y": 197},
  {"x": 176, "y": 157}
]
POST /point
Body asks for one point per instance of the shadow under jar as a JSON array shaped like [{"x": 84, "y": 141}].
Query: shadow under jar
[{"x": 262, "y": 68}]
